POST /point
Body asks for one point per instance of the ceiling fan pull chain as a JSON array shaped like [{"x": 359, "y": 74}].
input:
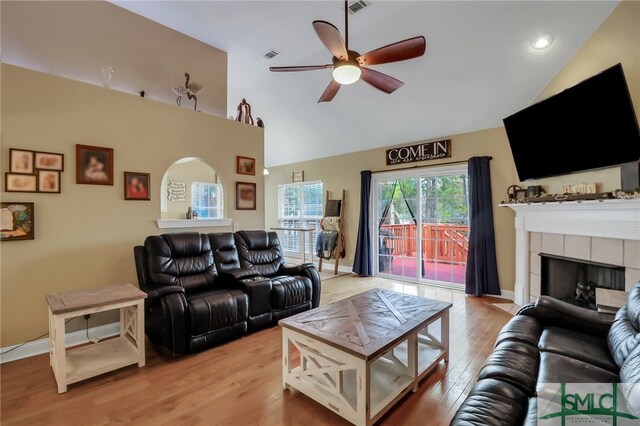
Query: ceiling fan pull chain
[{"x": 346, "y": 26}]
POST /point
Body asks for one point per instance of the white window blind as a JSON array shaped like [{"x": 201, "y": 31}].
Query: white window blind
[
  {"x": 300, "y": 205},
  {"x": 206, "y": 199}
]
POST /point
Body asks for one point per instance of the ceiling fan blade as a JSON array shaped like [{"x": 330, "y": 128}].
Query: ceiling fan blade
[
  {"x": 300, "y": 68},
  {"x": 380, "y": 81},
  {"x": 330, "y": 92},
  {"x": 330, "y": 36},
  {"x": 400, "y": 51}
]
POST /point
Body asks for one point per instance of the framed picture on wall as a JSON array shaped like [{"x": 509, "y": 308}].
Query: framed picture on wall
[
  {"x": 246, "y": 166},
  {"x": 17, "y": 221},
  {"x": 20, "y": 182},
  {"x": 20, "y": 160},
  {"x": 297, "y": 176},
  {"x": 245, "y": 196},
  {"x": 94, "y": 165},
  {"x": 136, "y": 186},
  {"x": 49, "y": 161},
  {"x": 49, "y": 181}
]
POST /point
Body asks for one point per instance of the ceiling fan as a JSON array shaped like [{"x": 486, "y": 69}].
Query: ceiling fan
[{"x": 348, "y": 65}]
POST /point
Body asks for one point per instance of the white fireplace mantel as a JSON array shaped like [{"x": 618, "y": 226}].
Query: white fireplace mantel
[{"x": 618, "y": 219}]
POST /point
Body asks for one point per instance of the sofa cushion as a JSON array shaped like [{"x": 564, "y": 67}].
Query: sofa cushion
[
  {"x": 225, "y": 253},
  {"x": 183, "y": 259},
  {"x": 290, "y": 291},
  {"x": 260, "y": 250},
  {"x": 623, "y": 336},
  {"x": 555, "y": 368},
  {"x": 216, "y": 309},
  {"x": 584, "y": 347},
  {"x": 492, "y": 403},
  {"x": 522, "y": 328},
  {"x": 513, "y": 362},
  {"x": 630, "y": 370}
]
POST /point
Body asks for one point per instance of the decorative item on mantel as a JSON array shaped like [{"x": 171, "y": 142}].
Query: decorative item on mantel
[
  {"x": 244, "y": 112},
  {"x": 190, "y": 88}
]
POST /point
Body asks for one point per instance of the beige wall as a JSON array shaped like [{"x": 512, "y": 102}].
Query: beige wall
[
  {"x": 75, "y": 39},
  {"x": 85, "y": 235},
  {"x": 616, "y": 41},
  {"x": 343, "y": 172}
]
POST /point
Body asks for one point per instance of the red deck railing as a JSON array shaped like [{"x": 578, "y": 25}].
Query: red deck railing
[{"x": 444, "y": 242}]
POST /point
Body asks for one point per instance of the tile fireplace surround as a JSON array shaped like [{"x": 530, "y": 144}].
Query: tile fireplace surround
[{"x": 599, "y": 231}]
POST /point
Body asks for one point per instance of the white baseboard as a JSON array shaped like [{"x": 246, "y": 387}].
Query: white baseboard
[
  {"x": 41, "y": 346},
  {"x": 505, "y": 294}
]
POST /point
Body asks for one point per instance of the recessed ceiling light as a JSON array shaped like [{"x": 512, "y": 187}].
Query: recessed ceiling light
[{"x": 542, "y": 41}]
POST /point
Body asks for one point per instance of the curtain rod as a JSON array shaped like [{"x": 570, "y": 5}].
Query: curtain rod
[{"x": 421, "y": 167}]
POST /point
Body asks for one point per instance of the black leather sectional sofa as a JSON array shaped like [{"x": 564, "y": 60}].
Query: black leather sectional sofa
[
  {"x": 205, "y": 289},
  {"x": 554, "y": 342}
]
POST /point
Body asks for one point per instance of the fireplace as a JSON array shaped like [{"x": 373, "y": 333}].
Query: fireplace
[
  {"x": 575, "y": 280},
  {"x": 604, "y": 232}
]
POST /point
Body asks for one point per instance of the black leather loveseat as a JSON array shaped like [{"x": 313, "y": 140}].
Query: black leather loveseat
[
  {"x": 554, "y": 342},
  {"x": 205, "y": 289}
]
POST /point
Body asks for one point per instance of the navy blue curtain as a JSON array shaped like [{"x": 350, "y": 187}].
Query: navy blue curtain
[
  {"x": 363, "y": 262},
  {"x": 482, "y": 265}
]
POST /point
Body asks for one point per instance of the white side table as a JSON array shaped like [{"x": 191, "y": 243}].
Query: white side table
[{"x": 76, "y": 364}]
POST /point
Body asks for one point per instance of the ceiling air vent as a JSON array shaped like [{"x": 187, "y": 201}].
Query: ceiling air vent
[
  {"x": 357, "y": 6},
  {"x": 271, "y": 54}
]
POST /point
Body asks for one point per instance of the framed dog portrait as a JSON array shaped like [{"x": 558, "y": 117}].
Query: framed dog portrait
[
  {"x": 94, "y": 165},
  {"x": 246, "y": 166},
  {"x": 49, "y": 181},
  {"x": 21, "y": 161},
  {"x": 245, "y": 196}
]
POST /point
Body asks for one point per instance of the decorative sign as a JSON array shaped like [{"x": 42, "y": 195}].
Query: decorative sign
[
  {"x": 177, "y": 191},
  {"x": 421, "y": 152}
]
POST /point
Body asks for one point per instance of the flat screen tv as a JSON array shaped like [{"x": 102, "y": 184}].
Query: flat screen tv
[{"x": 588, "y": 126}]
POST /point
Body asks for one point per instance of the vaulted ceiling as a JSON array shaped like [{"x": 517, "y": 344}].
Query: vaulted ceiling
[{"x": 479, "y": 66}]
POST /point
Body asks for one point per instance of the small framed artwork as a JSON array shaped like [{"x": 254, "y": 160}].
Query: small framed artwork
[
  {"x": 49, "y": 181},
  {"x": 245, "y": 196},
  {"x": 20, "y": 182},
  {"x": 94, "y": 165},
  {"x": 49, "y": 161},
  {"x": 17, "y": 221},
  {"x": 136, "y": 186},
  {"x": 246, "y": 166},
  {"x": 521, "y": 195},
  {"x": 21, "y": 160},
  {"x": 298, "y": 176}
]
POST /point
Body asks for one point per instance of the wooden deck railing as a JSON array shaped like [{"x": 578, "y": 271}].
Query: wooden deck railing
[{"x": 440, "y": 241}]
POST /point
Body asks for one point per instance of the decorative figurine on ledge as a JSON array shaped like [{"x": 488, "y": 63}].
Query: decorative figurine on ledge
[
  {"x": 190, "y": 88},
  {"x": 244, "y": 112}
]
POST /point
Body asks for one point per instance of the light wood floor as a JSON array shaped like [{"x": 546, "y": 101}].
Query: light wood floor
[{"x": 240, "y": 383}]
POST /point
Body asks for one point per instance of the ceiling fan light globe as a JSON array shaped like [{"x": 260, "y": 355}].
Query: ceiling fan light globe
[{"x": 346, "y": 74}]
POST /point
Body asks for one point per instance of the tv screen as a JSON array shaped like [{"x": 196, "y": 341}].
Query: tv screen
[{"x": 588, "y": 126}]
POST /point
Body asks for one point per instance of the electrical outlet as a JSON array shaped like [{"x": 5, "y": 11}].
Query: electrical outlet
[{"x": 236, "y": 226}]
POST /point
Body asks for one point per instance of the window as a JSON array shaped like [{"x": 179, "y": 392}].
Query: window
[
  {"x": 299, "y": 205},
  {"x": 206, "y": 199}
]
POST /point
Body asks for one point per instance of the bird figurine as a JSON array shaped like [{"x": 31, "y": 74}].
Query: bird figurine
[
  {"x": 192, "y": 89},
  {"x": 180, "y": 91}
]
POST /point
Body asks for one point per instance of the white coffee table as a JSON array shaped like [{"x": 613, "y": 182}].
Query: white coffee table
[{"x": 359, "y": 356}]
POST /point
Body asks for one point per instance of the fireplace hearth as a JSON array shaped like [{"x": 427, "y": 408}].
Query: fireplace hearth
[{"x": 575, "y": 280}]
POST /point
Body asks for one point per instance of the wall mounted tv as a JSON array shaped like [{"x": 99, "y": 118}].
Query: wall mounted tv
[{"x": 588, "y": 126}]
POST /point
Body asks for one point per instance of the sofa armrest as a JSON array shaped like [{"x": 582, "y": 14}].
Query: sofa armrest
[
  {"x": 306, "y": 270},
  {"x": 238, "y": 274},
  {"x": 156, "y": 291},
  {"x": 553, "y": 312}
]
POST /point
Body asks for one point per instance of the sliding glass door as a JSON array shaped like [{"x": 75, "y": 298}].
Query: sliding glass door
[{"x": 422, "y": 224}]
